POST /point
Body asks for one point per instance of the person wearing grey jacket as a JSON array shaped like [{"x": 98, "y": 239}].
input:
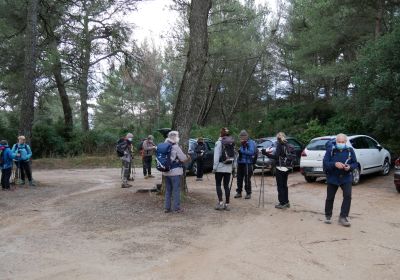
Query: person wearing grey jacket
[
  {"x": 222, "y": 171},
  {"x": 173, "y": 177}
]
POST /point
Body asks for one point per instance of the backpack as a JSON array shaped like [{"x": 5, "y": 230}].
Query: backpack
[
  {"x": 163, "y": 158},
  {"x": 121, "y": 147},
  {"x": 228, "y": 151},
  {"x": 255, "y": 155},
  {"x": 290, "y": 156},
  {"x": 1, "y": 158}
]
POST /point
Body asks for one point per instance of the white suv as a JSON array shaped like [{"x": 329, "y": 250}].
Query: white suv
[{"x": 371, "y": 157}]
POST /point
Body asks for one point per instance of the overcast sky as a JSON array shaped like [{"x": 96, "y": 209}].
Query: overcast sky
[{"x": 153, "y": 18}]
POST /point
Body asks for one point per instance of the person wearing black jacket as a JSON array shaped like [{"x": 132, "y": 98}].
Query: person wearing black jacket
[
  {"x": 282, "y": 171},
  {"x": 200, "y": 151}
]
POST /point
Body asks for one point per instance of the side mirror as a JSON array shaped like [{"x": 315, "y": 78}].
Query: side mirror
[{"x": 379, "y": 147}]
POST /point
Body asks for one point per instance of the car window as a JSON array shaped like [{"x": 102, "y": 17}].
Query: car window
[
  {"x": 210, "y": 145},
  {"x": 359, "y": 143},
  {"x": 192, "y": 145},
  {"x": 317, "y": 144},
  {"x": 296, "y": 144},
  {"x": 265, "y": 144},
  {"x": 371, "y": 143}
]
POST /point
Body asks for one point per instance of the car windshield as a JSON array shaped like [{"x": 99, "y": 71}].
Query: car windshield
[{"x": 318, "y": 144}]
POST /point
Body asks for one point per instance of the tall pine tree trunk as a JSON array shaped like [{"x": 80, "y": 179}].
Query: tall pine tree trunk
[
  {"x": 28, "y": 96},
  {"x": 184, "y": 117}
]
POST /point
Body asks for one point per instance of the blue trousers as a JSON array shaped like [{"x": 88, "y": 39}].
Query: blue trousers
[{"x": 172, "y": 190}]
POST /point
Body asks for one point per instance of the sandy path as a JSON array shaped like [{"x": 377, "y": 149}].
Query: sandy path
[{"x": 80, "y": 225}]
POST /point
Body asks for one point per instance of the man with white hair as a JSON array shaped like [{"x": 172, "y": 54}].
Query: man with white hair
[
  {"x": 173, "y": 176},
  {"x": 339, "y": 162},
  {"x": 148, "y": 151}
]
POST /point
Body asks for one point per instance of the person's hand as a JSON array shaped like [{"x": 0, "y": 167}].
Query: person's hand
[
  {"x": 339, "y": 165},
  {"x": 346, "y": 167},
  {"x": 213, "y": 171}
]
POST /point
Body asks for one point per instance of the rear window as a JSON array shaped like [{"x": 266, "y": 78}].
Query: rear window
[
  {"x": 265, "y": 144},
  {"x": 317, "y": 145}
]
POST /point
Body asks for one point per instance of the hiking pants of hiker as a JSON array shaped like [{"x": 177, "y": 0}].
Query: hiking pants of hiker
[
  {"x": 25, "y": 169},
  {"x": 126, "y": 170},
  {"x": 172, "y": 190},
  {"x": 200, "y": 167},
  {"x": 5, "y": 178},
  {"x": 330, "y": 198},
  {"x": 282, "y": 187},
  {"x": 147, "y": 165},
  {"x": 244, "y": 172},
  {"x": 219, "y": 176}
]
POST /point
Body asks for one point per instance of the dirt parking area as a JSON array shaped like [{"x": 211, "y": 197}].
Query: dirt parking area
[{"x": 79, "y": 224}]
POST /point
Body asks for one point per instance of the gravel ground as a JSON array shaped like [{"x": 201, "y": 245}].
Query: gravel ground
[{"x": 79, "y": 224}]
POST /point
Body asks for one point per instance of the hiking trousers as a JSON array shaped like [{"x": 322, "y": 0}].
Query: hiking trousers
[
  {"x": 282, "y": 187},
  {"x": 244, "y": 172},
  {"x": 25, "y": 169},
  {"x": 225, "y": 177},
  {"x": 147, "y": 165},
  {"x": 330, "y": 198},
  {"x": 126, "y": 170},
  {"x": 173, "y": 191},
  {"x": 200, "y": 167},
  {"x": 5, "y": 178}
]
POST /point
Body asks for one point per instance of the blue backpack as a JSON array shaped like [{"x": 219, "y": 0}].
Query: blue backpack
[{"x": 163, "y": 158}]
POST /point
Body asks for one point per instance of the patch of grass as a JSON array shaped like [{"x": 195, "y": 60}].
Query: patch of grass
[{"x": 84, "y": 161}]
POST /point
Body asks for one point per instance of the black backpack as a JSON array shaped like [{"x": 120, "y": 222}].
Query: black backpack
[
  {"x": 228, "y": 151},
  {"x": 121, "y": 147},
  {"x": 290, "y": 156},
  {"x": 1, "y": 157}
]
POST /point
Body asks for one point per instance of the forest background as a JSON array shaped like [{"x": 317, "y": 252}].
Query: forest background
[{"x": 73, "y": 80}]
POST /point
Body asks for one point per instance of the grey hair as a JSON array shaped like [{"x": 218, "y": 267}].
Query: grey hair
[
  {"x": 173, "y": 136},
  {"x": 341, "y": 135}
]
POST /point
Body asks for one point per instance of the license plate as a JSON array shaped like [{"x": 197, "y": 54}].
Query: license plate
[{"x": 318, "y": 169}]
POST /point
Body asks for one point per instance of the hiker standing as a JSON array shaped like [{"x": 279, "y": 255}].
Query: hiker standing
[
  {"x": 174, "y": 159},
  {"x": 200, "y": 150},
  {"x": 125, "y": 146},
  {"x": 148, "y": 151},
  {"x": 6, "y": 163},
  {"x": 339, "y": 162},
  {"x": 245, "y": 164},
  {"x": 223, "y": 167},
  {"x": 282, "y": 171},
  {"x": 23, "y": 156}
]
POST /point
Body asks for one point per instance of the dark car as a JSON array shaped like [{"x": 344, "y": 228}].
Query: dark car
[
  {"x": 397, "y": 174},
  {"x": 270, "y": 142},
  {"x": 208, "y": 156},
  {"x": 191, "y": 167}
]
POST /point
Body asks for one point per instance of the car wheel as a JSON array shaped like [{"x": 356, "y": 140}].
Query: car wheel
[
  {"x": 310, "y": 179},
  {"x": 193, "y": 170},
  {"x": 385, "y": 167},
  {"x": 356, "y": 175}
]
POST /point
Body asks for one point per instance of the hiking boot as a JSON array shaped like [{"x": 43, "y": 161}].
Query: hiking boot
[
  {"x": 151, "y": 176},
  {"x": 238, "y": 195},
  {"x": 21, "y": 182},
  {"x": 146, "y": 177},
  {"x": 328, "y": 220},
  {"x": 178, "y": 211},
  {"x": 32, "y": 184},
  {"x": 248, "y": 196},
  {"x": 167, "y": 210},
  {"x": 131, "y": 179},
  {"x": 219, "y": 206},
  {"x": 287, "y": 205},
  {"x": 126, "y": 185},
  {"x": 199, "y": 179},
  {"x": 279, "y": 206},
  {"x": 226, "y": 207},
  {"x": 344, "y": 221}
]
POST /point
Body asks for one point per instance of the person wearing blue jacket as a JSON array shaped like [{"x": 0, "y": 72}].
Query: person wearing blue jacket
[
  {"x": 339, "y": 162},
  {"x": 23, "y": 154},
  {"x": 6, "y": 163},
  {"x": 245, "y": 164}
]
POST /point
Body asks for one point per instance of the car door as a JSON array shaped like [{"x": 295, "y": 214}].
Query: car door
[
  {"x": 361, "y": 149},
  {"x": 209, "y": 159},
  {"x": 375, "y": 155}
]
